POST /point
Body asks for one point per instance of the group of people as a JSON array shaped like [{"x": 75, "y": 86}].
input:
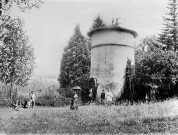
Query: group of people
[
  {"x": 106, "y": 99},
  {"x": 31, "y": 101}
]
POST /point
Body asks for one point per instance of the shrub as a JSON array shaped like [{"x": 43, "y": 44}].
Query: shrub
[
  {"x": 5, "y": 99},
  {"x": 52, "y": 99},
  {"x": 66, "y": 92},
  {"x": 5, "y": 102}
]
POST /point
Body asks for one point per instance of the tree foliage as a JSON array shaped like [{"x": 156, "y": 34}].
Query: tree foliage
[
  {"x": 23, "y": 5},
  {"x": 75, "y": 63},
  {"x": 17, "y": 55},
  {"x": 156, "y": 58},
  {"x": 98, "y": 23},
  {"x": 169, "y": 35},
  {"x": 128, "y": 91},
  {"x": 157, "y": 68}
]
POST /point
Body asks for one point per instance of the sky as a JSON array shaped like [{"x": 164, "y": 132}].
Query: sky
[{"x": 50, "y": 27}]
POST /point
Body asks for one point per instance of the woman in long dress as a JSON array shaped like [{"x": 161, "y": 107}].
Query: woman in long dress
[
  {"x": 74, "y": 103},
  {"x": 109, "y": 97}
]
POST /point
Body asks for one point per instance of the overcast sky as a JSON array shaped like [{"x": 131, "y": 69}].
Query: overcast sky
[{"x": 51, "y": 27}]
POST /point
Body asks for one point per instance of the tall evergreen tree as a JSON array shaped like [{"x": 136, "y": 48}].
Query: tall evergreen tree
[
  {"x": 98, "y": 23},
  {"x": 128, "y": 92},
  {"x": 169, "y": 35},
  {"x": 75, "y": 64}
]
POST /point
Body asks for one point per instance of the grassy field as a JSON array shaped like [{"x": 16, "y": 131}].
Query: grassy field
[{"x": 156, "y": 118}]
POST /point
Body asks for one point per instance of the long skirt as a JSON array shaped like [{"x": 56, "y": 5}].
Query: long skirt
[{"x": 74, "y": 104}]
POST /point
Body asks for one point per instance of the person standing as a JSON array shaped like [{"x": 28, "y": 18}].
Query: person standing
[
  {"x": 74, "y": 103},
  {"x": 102, "y": 97},
  {"x": 90, "y": 95},
  {"x": 75, "y": 95},
  {"x": 33, "y": 98},
  {"x": 109, "y": 97}
]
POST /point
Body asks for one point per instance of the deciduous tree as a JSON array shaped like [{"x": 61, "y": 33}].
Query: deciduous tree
[
  {"x": 157, "y": 68},
  {"x": 23, "y": 5},
  {"x": 17, "y": 54}
]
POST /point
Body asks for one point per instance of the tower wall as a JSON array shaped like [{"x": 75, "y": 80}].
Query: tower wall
[{"x": 109, "y": 54}]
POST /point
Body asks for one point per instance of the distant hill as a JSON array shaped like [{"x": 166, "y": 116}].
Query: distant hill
[
  {"x": 49, "y": 78},
  {"x": 37, "y": 83}
]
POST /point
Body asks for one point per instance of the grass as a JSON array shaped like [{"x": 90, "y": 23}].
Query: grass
[{"x": 154, "y": 118}]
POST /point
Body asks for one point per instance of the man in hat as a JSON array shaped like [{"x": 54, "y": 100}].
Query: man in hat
[
  {"x": 102, "y": 97},
  {"x": 90, "y": 95}
]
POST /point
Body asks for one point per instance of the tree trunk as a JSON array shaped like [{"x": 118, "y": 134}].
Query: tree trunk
[
  {"x": 11, "y": 87},
  {"x": 131, "y": 91}
]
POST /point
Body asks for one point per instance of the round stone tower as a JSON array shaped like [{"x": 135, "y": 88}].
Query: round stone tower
[{"x": 111, "y": 47}]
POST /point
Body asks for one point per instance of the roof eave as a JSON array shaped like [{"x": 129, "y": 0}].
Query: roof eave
[{"x": 134, "y": 33}]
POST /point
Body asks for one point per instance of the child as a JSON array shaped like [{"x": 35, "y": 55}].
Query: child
[{"x": 29, "y": 103}]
